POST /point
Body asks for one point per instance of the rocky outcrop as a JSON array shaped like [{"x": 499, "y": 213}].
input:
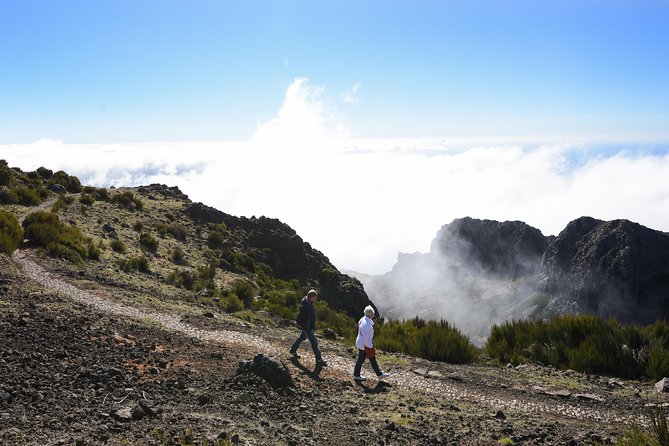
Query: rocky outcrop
[
  {"x": 269, "y": 368},
  {"x": 481, "y": 272},
  {"x": 508, "y": 249},
  {"x": 610, "y": 268},
  {"x": 277, "y": 245}
]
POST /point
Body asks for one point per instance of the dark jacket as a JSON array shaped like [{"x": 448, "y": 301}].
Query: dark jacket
[{"x": 309, "y": 311}]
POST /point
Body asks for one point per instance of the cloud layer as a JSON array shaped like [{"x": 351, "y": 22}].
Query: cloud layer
[{"x": 362, "y": 201}]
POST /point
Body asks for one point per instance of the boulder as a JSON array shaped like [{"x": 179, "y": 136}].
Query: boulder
[
  {"x": 57, "y": 188},
  {"x": 269, "y": 368},
  {"x": 662, "y": 385}
]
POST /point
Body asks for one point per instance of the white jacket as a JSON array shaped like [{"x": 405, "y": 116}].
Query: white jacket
[{"x": 365, "y": 333}]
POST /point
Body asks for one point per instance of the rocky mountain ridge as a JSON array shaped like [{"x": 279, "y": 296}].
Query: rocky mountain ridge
[{"x": 510, "y": 270}]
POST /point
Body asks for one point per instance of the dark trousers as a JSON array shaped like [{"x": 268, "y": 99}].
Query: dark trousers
[
  {"x": 361, "y": 360},
  {"x": 304, "y": 335}
]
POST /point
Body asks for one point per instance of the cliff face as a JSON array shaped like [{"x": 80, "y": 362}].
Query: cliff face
[
  {"x": 277, "y": 245},
  {"x": 508, "y": 249},
  {"x": 610, "y": 268},
  {"x": 480, "y": 272}
]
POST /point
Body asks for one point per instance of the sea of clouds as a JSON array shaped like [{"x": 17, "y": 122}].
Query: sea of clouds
[{"x": 361, "y": 201}]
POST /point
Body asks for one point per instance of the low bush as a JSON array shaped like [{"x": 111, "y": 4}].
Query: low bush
[
  {"x": 216, "y": 238},
  {"x": 148, "y": 242},
  {"x": 27, "y": 196},
  {"x": 433, "y": 340},
  {"x": 117, "y": 245},
  {"x": 202, "y": 278},
  {"x": 140, "y": 264},
  {"x": 44, "y": 229},
  {"x": 69, "y": 182},
  {"x": 128, "y": 201},
  {"x": 138, "y": 226},
  {"x": 178, "y": 231},
  {"x": 585, "y": 343},
  {"x": 245, "y": 292},
  {"x": 11, "y": 233},
  {"x": 87, "y": 199},
  {"x": 178, "y": 256},
  {"x": 6, "y": 174}
]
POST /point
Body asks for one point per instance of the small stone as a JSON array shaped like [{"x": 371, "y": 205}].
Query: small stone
[
  {"x": 123, "y": 414},
  {"x": 662, "y": 385}
]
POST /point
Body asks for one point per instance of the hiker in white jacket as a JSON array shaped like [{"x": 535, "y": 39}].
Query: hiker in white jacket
[{"x": 365, "y": 344}]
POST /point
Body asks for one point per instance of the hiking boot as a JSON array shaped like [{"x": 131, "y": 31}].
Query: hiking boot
[
  {"x": 384, "y": 375},
  {"x": 359, "y": 378},
  {"x": 322, "y": 363}
]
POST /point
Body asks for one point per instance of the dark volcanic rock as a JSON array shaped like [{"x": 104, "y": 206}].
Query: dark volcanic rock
[
  {"x": 509, "y": 248},
  {"x": 609, "y": 268},
  {"x": 269, "y": 368},
  {"x": 277, "y": 245}
]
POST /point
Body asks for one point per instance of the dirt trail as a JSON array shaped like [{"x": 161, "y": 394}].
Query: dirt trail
[{"x": 442, "y": 389}]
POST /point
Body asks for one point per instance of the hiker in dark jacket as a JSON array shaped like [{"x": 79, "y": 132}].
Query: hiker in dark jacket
[{"x": 307, "y": 321}]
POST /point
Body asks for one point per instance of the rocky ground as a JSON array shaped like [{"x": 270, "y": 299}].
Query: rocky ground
[{"x": 81, "y": 364}]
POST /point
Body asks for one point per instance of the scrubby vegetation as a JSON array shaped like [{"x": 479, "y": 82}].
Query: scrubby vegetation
[
  {"x": 140, "y": 264},
  {"x": 44, "y": 229},
  {"x": 585, "y": 343},
  {"x": 69, "y": 182},
  {"x": 11, "y": 233},
  {"x": 433, "y": 340},
  {"x": 117, "y": 246},
  {"x": 196, "y": 280},
  {"x": 127, "y": 200},
  {"x": 27, "y": 189},
  {"x": 148, "y": 242},
  {"x": 177, "y": 230}
]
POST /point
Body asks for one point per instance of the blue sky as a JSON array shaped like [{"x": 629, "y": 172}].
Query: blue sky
[{"x": 119, "y": 71}]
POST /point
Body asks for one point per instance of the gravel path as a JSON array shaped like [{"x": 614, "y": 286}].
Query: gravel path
[{"x": 440, "y": 388}]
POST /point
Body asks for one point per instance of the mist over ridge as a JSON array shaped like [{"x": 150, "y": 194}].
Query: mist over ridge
[{"x": 484, "y": 272}]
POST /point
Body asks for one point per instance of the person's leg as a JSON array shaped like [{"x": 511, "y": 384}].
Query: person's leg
[
  {"x": 375, "y": 365},
  {"x": 298, "y": 341},
  {"x": 314, "y": 344},
  {"x": 359, "y": 362}
]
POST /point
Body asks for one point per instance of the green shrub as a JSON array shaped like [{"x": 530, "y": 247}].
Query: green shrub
[
  {"x": 11, "y": 233},
  {"x": 233, "y": 304},
  {"x": 60, "y": 240},
  {"x": 138, "y": 226},
  {"x": 117, "y": 246},
  {"x": 584, "y": 343},
  {"x": 8, "y": 196},
  {"x": 44, "y": 173},
  {"x": 87, "y": 199},
  {"x": 433, "y": 340},
  {"x": 194, "y": 280},
  {"x": 148, "y": 242},
  {"x": 128, "y": 201},
  {"x": 178, "y": 231},
  {"x": 216, "y": 238},
  {"x": 178, "y": 256},
  {"x": 327, "y": 317},
  {"x": 69, "y": 182},
  {"x": 245, "y": 291},
  {"x": 27, "y": 196},
  {"x": 5, "y": 174},
  {"x": 140, "y": 264}
]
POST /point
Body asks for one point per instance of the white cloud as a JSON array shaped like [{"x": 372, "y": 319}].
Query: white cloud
[
  {"x": 362, "y": 201},
  {"x": 351, "y": 97}
]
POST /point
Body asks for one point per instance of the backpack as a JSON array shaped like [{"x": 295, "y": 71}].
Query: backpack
[{"x": 301, "y": 318}]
